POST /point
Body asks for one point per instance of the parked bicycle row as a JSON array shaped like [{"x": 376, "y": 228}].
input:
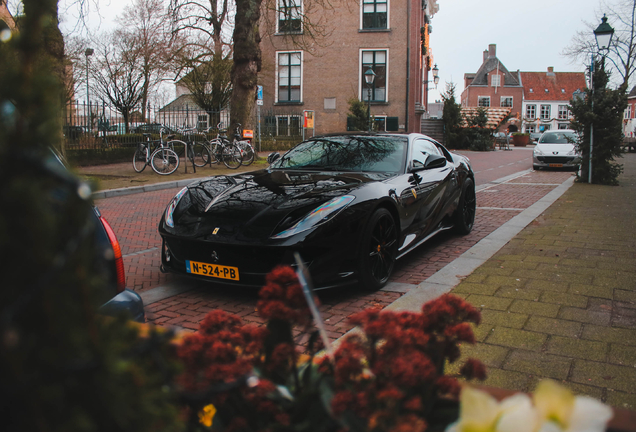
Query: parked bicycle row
[{"x": 163, "y": 155}]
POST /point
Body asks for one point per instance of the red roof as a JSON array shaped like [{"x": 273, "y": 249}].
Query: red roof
[{"x": 560, "y": 85}]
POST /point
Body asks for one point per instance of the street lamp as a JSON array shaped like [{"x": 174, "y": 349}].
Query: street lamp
[
  {"x": 436, "y": 75},
  {"x": 369, "y": 77},
  {"x": 603, "y": 35},
  {"x": 87, "y": 53}
]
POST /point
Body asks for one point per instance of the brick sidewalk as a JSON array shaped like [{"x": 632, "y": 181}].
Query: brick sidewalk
[{"x": 559, "y": 300}]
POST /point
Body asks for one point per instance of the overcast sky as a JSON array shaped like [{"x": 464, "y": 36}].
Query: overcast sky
[{"x": 530, "y": 34}]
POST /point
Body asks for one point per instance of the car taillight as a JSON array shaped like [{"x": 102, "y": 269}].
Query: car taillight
[{"x": 119, "y": 260}]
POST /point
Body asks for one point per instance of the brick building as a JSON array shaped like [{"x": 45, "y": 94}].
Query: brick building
[
  {"x": 629, "y": 123},
  {"x": 493, "y": 86},
  {"x": 322, "y": 75},
  {"x": 546, "y": 98}
]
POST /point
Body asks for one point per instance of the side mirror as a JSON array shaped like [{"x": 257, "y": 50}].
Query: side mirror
[
  {"x": 432, "y": 161},
  {"x": 273, "y": 157}
]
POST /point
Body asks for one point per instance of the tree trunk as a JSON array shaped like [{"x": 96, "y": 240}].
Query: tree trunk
[{"x": 247, "y": 61}]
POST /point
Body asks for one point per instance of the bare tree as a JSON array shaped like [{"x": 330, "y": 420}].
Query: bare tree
[
  {"x": 145, "y": 22},
  {"x": 621, "y": 16},
  {"x": 118, "y": 73}
]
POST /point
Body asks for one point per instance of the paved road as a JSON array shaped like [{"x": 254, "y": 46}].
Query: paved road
[{"x": 175, "y": 301}]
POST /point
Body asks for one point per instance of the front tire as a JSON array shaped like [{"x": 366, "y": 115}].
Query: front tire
[
  {"x": 232, "y": 156},
  {"x": 465, "y": 213},
  {"x": 201, "y": 154},
  {"x": 140, "y": 158},
  {"x": 165, "y": 161},
  {"x": 378, "y": 251}
]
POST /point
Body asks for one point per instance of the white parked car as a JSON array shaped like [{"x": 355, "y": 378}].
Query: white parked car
[{"x": 557, "y": 149}]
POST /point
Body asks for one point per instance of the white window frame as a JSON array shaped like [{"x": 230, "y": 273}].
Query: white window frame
[
  {"x": 279, "y": 13},
  {"x": 289, "y": 117},
  {"x": 388, "y": 17},
  {"x": 531, "y": 108},
  {"x": 495, "y": 80},
  {"x": 563, "y": 113},
  {"x": 545, "y": 111},
  {"x": 531, "y": 128},
  {"x": 375, "y": 118},
  {"x": 628, "y": 112},
  {"x": 276, "y": 99},
  {"x": 501, "y": 101},
  {"x": 363, "y": 85},
  {"x": 202, "y": 121},
  {"x": 480, "y": 98}
]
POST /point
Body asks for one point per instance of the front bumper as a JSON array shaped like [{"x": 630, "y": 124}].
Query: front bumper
[{"x": 556, "y": 161}]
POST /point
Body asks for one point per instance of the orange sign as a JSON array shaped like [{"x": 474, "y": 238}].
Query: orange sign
[
  {"x": 248, "y": 133},
  {"x": 309, "y": 119}
]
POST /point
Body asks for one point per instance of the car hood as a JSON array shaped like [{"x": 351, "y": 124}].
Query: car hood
[
  {"x": 259, "y": 204},
  {"x": 560, "y": 149}
]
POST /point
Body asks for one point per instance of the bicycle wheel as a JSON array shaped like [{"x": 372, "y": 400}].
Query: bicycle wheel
[
  {"x": 247, "y": 152},
  {"x": 164, "y": 161},
  {"x": 215, "y": 152},
  {"x": 232, "y": 156},
  {"x": 140, "y": 158},
  {"x": 201, "y": 154}
]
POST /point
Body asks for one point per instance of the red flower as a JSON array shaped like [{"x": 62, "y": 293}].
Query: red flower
[
  {"x": 342, "y": 401},
  {"x": 448, "y": 386},
  {"x": 473, "y": 368},
  {"x": 282, "y": 297},
  {"x": 409, "y": 423}
]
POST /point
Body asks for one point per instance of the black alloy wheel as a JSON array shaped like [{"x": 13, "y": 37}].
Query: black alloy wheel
[
  {"x": 465, "y": 213},
  {"x": 379, "y": 250}
]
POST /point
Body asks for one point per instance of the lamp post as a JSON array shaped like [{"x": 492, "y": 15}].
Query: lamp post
[
  {"x": 369, "y": 77},
  {"x": 603, "y": 35},
  {"x": 435, "y": 75},
  {"x": 87, "y": 53}
]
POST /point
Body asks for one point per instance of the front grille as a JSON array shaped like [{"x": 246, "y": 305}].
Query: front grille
[{"x": 555, "y": 159}]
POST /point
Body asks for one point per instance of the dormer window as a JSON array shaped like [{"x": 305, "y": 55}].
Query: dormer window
[
  {"x": 562, "y": 90},
  {"x": 531, "y": 91},
  {"x": 495, "y": 80},
  {"x": 547, "y": 91}
]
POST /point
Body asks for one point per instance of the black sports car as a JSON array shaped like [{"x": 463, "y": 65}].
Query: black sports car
[{"x": 349, "y": 204}]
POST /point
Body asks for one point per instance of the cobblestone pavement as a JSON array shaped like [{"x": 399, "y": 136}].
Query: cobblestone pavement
[
  {"x": 134, "y": 218},
  {"x": 559, "y": 300}
]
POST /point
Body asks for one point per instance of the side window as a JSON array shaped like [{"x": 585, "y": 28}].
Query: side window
[{"x": 422, "y": 149}]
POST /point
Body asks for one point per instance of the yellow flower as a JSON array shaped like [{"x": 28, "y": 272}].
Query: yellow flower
[{"x": 206, "y": 415}]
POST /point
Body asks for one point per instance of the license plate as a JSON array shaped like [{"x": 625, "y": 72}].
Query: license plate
[
  {"x": 556, "y": 165},
  {"x": 212, "y": 270}
]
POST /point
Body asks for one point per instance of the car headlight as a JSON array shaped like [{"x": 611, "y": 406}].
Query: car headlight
[
  {"x": 172, "y": 206},
  {"x": 320, "y": 214},
  {"x": 537, "y": 152}
]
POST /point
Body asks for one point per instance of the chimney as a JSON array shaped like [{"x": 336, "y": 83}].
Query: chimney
[
  {"x": 485, "y": 55},
  {"x": 550, "y": 69},
  {"x": 492, "y": 50}
]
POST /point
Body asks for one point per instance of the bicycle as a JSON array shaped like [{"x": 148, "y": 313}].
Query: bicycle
[
  {"x": 247, "y": 151},
  {"x": 217, "y": 149},
  {"x": 162, "y": 158}
]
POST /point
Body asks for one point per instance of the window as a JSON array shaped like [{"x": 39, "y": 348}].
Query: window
[
  {"x": 564, "y": 126},
  {"x": 289, "y": 16},
  {"x": 422, "y": 149},
  {"x": 628, "y": 112},
  {"x": 202, "y": 121},
  {"x": 563, "y": 113},
  {"x": 288, "y": 125},
  {"x": 379, "y": 123},
  {"x": 374, "y": 14},
  {"x": 506, "y": 101},
  {"x": 545, "y": 112},
  {"x": 531, "y": 111},
  {"x": 289, "y": 77},
  {"x": 495, "y": 81},
  {"x": 377, "y": 61},
  {"x": 483, "y": 101},
  {"x": 531, "y": 129}
]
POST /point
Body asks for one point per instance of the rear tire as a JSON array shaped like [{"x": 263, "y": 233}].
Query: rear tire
[
  {"x": 201, "y": 154},
  {"x": 140, "y": 158},
  {"x": 165, "y": 161},
  {"x": 465, "y": 214},
  {"x": 232, "y": 156},
  {"x": 378, "y": 251},
  {"x": 248, "y": 154}
]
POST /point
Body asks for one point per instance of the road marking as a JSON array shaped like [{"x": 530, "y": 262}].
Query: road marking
[
  {"x": 500, "y": 208},
  {"x": 141, "y": 252}
]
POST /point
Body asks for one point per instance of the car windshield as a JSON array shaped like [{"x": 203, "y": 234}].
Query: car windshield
[
  {"x": 347, "y": 153},
  {"x": 558, "y": 138}
]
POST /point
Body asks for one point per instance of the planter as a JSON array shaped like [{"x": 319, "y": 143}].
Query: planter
[{"x": 520, "y": 140}]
